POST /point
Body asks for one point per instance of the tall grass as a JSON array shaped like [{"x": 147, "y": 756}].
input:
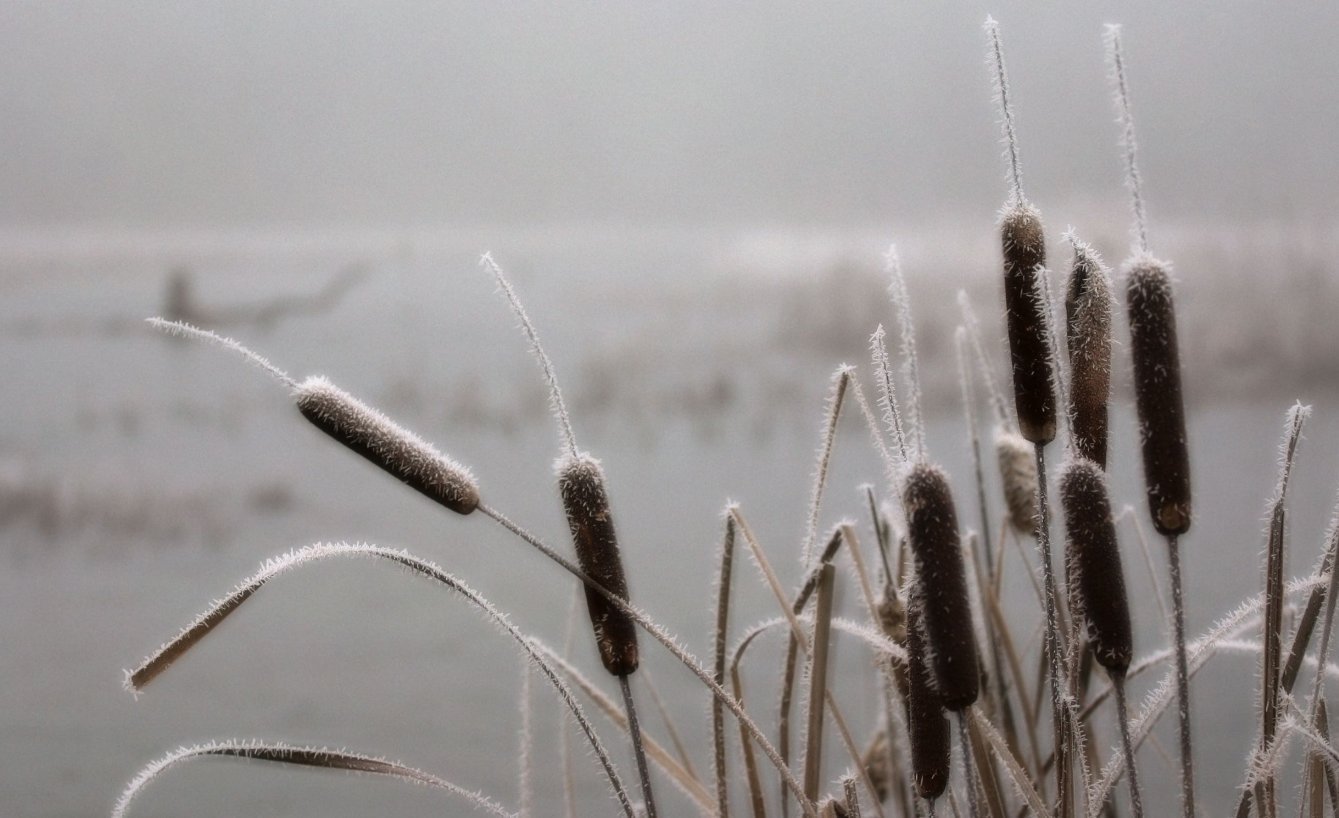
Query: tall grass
[{"x": 933, "y": 620}]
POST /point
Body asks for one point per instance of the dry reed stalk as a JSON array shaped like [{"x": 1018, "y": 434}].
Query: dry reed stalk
[
  {"x": 818, "y": 680},
  {"x": 1088, "y": 306},
  {"x": 319, "y": 757},
  {"x": 723, "y": 586},
  {"x": 204, "y": 624}
]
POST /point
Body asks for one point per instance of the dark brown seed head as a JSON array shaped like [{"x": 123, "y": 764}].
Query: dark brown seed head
[
  {"x": 1029, "y": 346},
  {"x": 1088, "y": 301},
  {"x": 378, "y": 438},
  {"x": 1090, "y": 547},
  {"x": 941, "y": 584},
  {"x": 927, "y": 728},
  {"x": 581, "y": 484},
  {"x": 1018, "y": 476},
  {"x": 1157, "y": 392}
]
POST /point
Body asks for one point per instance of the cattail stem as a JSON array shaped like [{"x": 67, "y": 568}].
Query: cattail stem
[
  {"x": 1131, "y": 769},
  {"x": 635, "y": 732},
  {"x": 1054, "y": 649},
  {"x": 718, "y": 666},
  {"x": 1001, "y": 79},
  {"x": 1182, "y": 679},
  {"x": 968, "y": 769}
]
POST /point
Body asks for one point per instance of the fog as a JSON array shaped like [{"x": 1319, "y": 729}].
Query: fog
[{"x": 312, "y": 113}]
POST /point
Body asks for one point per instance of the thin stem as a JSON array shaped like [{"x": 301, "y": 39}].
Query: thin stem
[
  {"x": 556, "y": 402},
  {"x": 636, "y": 733},
  {"x": 181, "y": 329},
  {"x": 1131, "y": 770},
  {"x": 1001, "y": 79},
  {"x": 1182, "y": 680},
  {"x": 897, "y": 290},
  {"x": 836, "y": 399},
  {"x": 1121, "y": 92},
  {"x": 718, "y": 667},
  {"x": 968, "y": 769},
  {"x": 1053, "y": 648}
]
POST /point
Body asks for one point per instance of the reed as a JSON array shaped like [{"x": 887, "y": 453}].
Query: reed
[{"x": 916, "y": 622}]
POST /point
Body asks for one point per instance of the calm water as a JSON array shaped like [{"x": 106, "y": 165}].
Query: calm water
[{"x": 144, "y": 478}]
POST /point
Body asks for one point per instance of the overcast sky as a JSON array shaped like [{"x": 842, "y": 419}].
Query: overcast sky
[{"x": 632, "y": 111}]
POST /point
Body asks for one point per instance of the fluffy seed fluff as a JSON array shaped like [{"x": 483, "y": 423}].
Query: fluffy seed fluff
[
  {"x": 1093, "y": 552},
  {"x": 1024, "y": 248},
  {"x": 1157, "y": 391},
  {"x": 395, "y": 449},
  {"x": 1018, "y": 476},
  {"x": 582, "y": 486},
  {"x": 941, "y": 584}
]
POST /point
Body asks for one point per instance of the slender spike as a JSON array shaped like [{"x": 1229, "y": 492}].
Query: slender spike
[
  {"x": 897, "y": 290},
  {"x": 181, "y": 329},
  {"x": 556, "y": 403},
  {"x": 1001, "y": 82},
  {"x": 841, "y": 379},
  {"x": 723, "y": 587},
  {"x": 1121, "y": 96},
  {"x": 892, "y": 411}
]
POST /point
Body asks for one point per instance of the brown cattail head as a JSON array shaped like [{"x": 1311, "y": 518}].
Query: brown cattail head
[
  {"x": 941, "y": 585},
  {"x": 1157, "y": 393},
  {"x": 1018, "y": 476},
  {"x": 927, "y": 728},
  {"x": 1088, "y": 300},
  {"x": 581, "y": 484},
  {"x": 378, "y": 438},
  {"x": 1029, "y": 345},
  {"x": 1090, "y": 547}
]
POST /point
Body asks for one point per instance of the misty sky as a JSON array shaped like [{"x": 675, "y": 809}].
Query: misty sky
[{"x": 702, "y": 113}]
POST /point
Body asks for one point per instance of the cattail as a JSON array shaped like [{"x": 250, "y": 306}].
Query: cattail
[
  {"x": 1157, "y": 391},
  {"x": 581, "y": 484},
  {"x": 1029, "y": 347},
  {"x": 1088, "y": 300},
  {"x": 927, "y": 727},
  {"x": 395, "y": 449},
  {"x": 1018, "y": 475},
  {"x": 941, "y": 582},
  {"x": 1091, "y": 549}
]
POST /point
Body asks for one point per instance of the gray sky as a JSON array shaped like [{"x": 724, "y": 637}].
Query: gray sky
[{"x": 703, "y": 113}]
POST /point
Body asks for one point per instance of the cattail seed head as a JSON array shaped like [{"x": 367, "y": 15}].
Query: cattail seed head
[
  {"x": 1088, "y": 305},
  {"x": 384, "y": 442},
  {"x": 941, "y": 585},
  {"x": 1157, "y": 392},
  {"x": 927, "y": 728},
  {"x": 1018, "y": 476},
  {"x": 1029, "y": 346},
  {"x": 1091, "y": 549},
  {"x": 581, "y": 484}
]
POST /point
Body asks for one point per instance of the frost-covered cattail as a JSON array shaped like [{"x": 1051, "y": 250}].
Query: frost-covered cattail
[
  {"x": 378, "y": 438},
  {"x": 1018, "y": 476},
  {"x": 1157, "y": 391},
  {"x": 1029, "y": 345},
  {"x": 941, "y": 585},
  {"x": 927, "y": 727},
  {"x": 581, "y": 484},
  {"x": 1088, "y": 305},
  {"x": 1092, "y": 550}
]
